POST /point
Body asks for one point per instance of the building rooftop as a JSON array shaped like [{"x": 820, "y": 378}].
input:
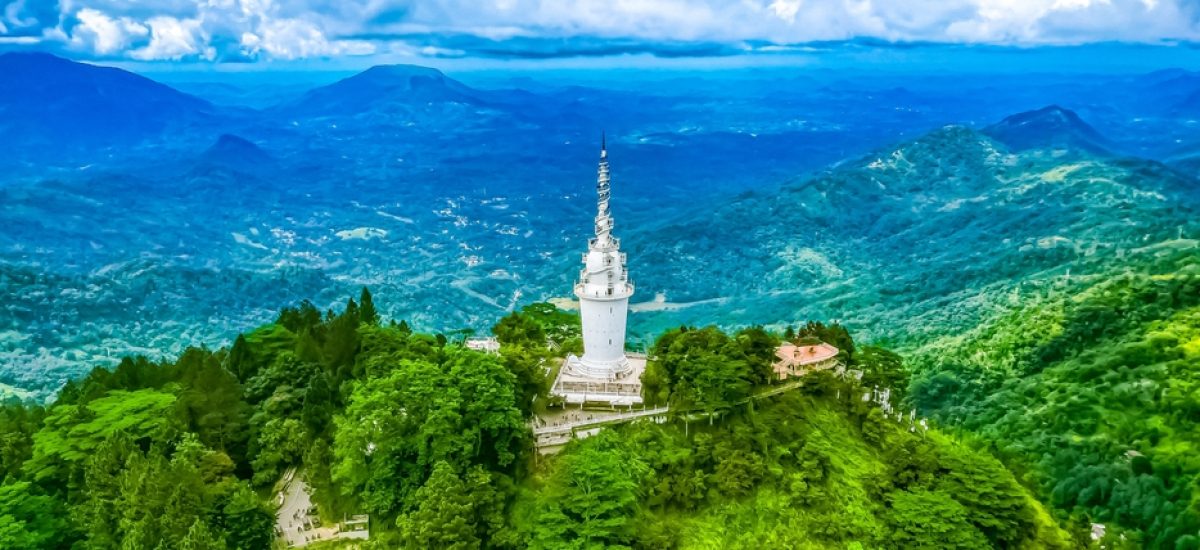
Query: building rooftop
[
  {"x": 797, "y": 360},
  {"x": 803, "y": 355}
]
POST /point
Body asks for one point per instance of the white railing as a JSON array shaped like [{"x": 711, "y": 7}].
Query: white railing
[{"x": 618, "y": 418}]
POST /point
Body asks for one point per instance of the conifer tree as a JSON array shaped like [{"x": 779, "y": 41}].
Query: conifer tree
[
  {"x": 200, "y": 537},
  {"x": 366, "y": 310},
  {"x": 240, "y": 361}
]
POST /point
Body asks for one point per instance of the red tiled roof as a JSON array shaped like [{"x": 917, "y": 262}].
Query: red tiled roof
[{"x": 791, "y": 354}]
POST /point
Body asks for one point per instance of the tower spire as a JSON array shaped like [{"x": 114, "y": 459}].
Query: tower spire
[
  {"x": 603, "y": 290},
  {"x": 604, "y": 221}
]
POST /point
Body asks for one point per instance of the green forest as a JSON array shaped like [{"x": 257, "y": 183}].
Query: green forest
[
  {"x": 1090, "y": 392},
  {"x": 432, "y": 440}
]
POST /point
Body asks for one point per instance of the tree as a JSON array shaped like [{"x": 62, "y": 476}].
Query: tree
[
  {"x": 395, "y": 427},
  {"x": 31, "y": 520},
  {"x": 924, "y": 520},
  {"x": 527, "y": 365},
  {"x": 299, "y": 318},
  {"x": 711, "y": 383},
  {"x": 704, "y": 368},
  {"x": 200, "y": 537},
  {"x": 996, "y": 504},
  {"x": 595, "y": 497},
  {"x": 758, "y": 347},
  {"x": 882, "y": 368},
  {"x": 835, "y": 335},
  {"x": 248, "y": 525},
  {"x": 445, "y": 515},
  {"x": 366, "y": 310},
  {"x": 212, "y": 403},
  {"x": 73, "y": 432},
  {"x": 281, "y": 443},
  {"x": 318, "y": 403},
  {"x": 521, "y": 330}
]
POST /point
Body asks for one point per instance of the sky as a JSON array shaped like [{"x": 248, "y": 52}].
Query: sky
[{"x": 362, "y": 32}]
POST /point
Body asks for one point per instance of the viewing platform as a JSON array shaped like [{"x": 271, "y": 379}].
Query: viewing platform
[{"x": 578, "y": 384}]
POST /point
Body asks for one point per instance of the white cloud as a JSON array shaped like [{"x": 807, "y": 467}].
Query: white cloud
[
  {"x": 292, "y": 29},
  {"x": 786, "y": 9},
  {"x": 175, "y": 39},
  {"x": 296, "y": 39},
  {"x": 103, "y": 34}
]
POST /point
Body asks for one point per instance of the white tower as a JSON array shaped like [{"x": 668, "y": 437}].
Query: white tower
[{"x": 603, "y": 291}]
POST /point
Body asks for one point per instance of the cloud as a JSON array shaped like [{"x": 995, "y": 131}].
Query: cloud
[
  {"x": 103, "y": 34},
  {"x": 175, "y": 39},
  {"x": 534, "y": 47},
  {"x": 297, "y": 39},
  {"x": 246, "y": 30}
]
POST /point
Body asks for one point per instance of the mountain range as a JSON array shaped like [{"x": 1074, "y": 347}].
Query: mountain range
[
  {"x": 52, "y": 105},
  {"x": 138, "y": 219},
  {"x": 475, "y": 191}
]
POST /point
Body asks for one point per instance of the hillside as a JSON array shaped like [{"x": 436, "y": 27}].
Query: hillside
[
  {"x": 911, "y": 241},
  {"x": 806, "y": 470},
  {"x": 432, "y": 440},
  {"x": 1046, "y": 301},
  {"x": 1091, "y": 389},
  {"x": 50, "y": 105},
  {"x": 927, "y": 236}
]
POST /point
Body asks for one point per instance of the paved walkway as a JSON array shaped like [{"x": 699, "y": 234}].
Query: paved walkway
[
  {"x": 558, "y": 428},
  {"x": 293, "y": 522},
  {"x": 589, "y": 419}
]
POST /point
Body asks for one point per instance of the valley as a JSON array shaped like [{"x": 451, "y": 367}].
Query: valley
[{"x": 456, "y": 231}]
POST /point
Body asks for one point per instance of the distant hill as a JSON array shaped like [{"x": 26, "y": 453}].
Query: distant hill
[
  {"x": 1051, "y": 127},
  {"x": 382, "y": 88},
  {"x": 47, "y": 102},
  {"x": 237, "y": 153},
  {"x": 898, "y": 234}
]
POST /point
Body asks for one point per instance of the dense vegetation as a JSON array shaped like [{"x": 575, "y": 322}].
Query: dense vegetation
[
  {"x": 804, "y": 470},
  {"x": 1093, "y": 392},
  {"x": 816, "y": 467},
  {"x": 431, "y": 440}
]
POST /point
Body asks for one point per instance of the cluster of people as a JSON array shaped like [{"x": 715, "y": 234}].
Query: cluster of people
[
  {"x": 301, "y": 522},
  {"x": 569, "y": 417}
]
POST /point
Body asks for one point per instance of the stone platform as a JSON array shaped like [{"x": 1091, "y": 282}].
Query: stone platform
[{"x": 579, "y": 388}]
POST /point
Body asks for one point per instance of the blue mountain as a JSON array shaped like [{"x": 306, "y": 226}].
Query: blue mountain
[
  {"x": 235, "y": 153},
  {"x": 1050, "y": 127},
  {"x": 383, "y": 88},
  {"x": 52, "y": 105}
]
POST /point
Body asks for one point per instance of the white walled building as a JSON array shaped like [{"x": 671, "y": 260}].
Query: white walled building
[{"x": 604, "y": 374}]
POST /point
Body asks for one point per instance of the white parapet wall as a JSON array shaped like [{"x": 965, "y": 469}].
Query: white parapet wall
[{"x": 578, "y": 387}]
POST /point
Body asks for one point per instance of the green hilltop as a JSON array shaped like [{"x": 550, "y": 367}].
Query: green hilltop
[{"x": 431, "y": 439}]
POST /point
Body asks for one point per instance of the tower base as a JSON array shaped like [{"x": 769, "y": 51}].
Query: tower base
[
  {"x": 608, "y": 384},
  {"x": 611, "y": 371}
]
